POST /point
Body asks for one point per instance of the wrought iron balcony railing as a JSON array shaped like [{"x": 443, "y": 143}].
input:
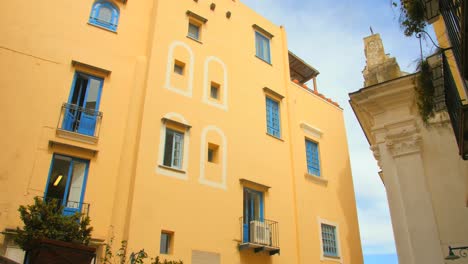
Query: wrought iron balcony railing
[
  {"x": 451, "y": 11},
  {"x": 260, "y": 235},
  {"x": 85, "y": 121},
  {"x": 457, "y": 111},
  {"x": 69, "y": 207}
]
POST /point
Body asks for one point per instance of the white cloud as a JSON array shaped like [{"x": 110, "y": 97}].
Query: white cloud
[{"x": 328, "y": 35}]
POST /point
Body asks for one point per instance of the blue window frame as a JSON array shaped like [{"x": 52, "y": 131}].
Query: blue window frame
[
  {"x": 67, "y": 182},
  {"x": 262, "y": 47},
  {"x": 82, "y": 111},
  {"x": 273, "y": 117},
  {"x": 105, "y": 14},
  {"x": 253, "y": 210},
  {"x": 194, "y": 31},
  {"x": 329, "y": 241},
  {"x": 313, "y": 162}
]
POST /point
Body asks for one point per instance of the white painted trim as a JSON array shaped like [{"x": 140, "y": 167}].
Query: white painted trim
[
  {"x": 311, "y": 130},
  {"x": 162, "y": 141},
  {"x": 339, "y": 259},
  {"x": 203, "y": 150},
  {"x": 224, "y": 86},
  {"x": 170, "y": 64}
]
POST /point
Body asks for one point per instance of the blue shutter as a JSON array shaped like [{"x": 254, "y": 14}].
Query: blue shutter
[
  {"x": 313, "y": 162},
  {"x": 273, "y": 117},
  {"x": 104, "y": 20}
]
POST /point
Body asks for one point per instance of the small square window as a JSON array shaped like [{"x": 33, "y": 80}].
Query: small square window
[
  {"x": 214, "y": 90},
  {"x": 194, "y": 30},
  {"x": 213, "y": 153},
  {"x": 165, "y": 243},
  {"x": 179, "y": 67}
]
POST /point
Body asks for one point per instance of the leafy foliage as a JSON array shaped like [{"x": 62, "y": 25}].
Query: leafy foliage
[
  {"x": 412, "y": 17},
  {"x": 134, "y": 258},
  {"x": 45, "y": 220},
  {"x": 425, "y": 90}
]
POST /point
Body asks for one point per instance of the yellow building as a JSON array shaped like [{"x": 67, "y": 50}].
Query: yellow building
[{"x": 183, "y": 127}]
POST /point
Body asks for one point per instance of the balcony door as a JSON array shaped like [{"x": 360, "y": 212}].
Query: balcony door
[
  {"x": 67, "y": 182},
  {"x": 83, "y": 104},
  {"x": 253, "y": 211}
]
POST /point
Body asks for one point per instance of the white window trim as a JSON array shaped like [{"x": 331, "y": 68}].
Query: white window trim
[
  {"x": 311, "y": 131},
  {"x": 181, "y": 173},
  {"x": 223, "y": 102},
  {"x": 338, "y": 259},
  {"x": 223, "y": 160},
  {"x": 189, "y": 67}
]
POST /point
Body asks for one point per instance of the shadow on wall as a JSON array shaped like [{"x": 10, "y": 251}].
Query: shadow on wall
[{"x": 248, "y": 256}]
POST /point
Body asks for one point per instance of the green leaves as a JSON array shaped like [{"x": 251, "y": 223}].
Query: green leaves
[
  {"x": 45, "y": 220},
  {"x": 412, "y": 17},
  {"x": 425, "y": 90},
  {"x": 134, "y": 258}
]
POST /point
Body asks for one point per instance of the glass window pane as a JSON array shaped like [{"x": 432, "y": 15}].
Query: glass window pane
[
  {"x": 93, "y": 93},
  {"x": 193, "y": 31},
  {"x": 58, "y": 178},
  {"x": 168, "y": 148},
  {"x": 76, "y": 184},
  {"x": 105, "y": 14}
]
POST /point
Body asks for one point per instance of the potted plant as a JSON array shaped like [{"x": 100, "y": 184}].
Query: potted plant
[{"x": 50, "y": 237}]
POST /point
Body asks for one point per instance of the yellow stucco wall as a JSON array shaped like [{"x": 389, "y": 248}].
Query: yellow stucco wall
[{"x": 133, "y": 197}]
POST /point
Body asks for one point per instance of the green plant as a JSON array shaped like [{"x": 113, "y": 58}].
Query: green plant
[
  {"x": 44, "y": 220},
  {"x": 134, "y": 257},
  {"x": 412, "y": 17},
  {"x": 425, "y": 90}
]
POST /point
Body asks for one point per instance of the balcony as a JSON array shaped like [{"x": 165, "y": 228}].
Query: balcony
[
  {"x": 69, "y": 207},
  {"x": 78, "y": 123},
  {"x": 458, "y": 112},
  {"x": 260, "y": 235}
]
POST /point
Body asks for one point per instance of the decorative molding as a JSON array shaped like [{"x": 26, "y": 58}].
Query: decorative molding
[
  {"x": 170, "y": 65},
  {"x": 262, "y": 30},
  {"x": 91, "y": 67},
  {"x": 311, "y": 130},
  {"x": 196, "y": 17},
  {"x": 376, "y": 152},
  {"x": 181, "y": 173},
  {"x": 223, "y": 104},
  {"x": 272, "y": 93},
  {"x": 254, "y": 185},
  {"x": 404, "y": 146},
  {"x": 203, "y": 151}
]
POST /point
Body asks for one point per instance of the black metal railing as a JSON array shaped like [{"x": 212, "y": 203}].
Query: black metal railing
[
  {"x": 452, "y": 98},
  {"x": 452, "y": 13},
  {"x": 261, "y": 232},
  {"x": 69, "y": 207},
  {"x": 80, "y": 120}
]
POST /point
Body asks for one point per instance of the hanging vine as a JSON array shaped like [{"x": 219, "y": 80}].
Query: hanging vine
[
  {"x": 425, "y": 90},
  {"x": 412, "y": 17}
]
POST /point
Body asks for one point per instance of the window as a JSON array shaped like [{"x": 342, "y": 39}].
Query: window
[
  {"x": 165, "y": 243},
  {"x": 213, "y": 153},
  {"x": 67, "y": 182},
  {"x": 194, "y": 30},
  {"x": 214, "y": 90},
  {"x": 179, "y": 67},
  {"x": 253, "y": 211},
  {"x": 273, "y": 118},
  {"x": 313, "y": 162},
  {"x": 104, "y": 14},
  {"x": 329, "y": 241},
  {"x": 173, "y": 149},
  {"x": 262, "y": 47},
  {"x": 81, "y": 112}
]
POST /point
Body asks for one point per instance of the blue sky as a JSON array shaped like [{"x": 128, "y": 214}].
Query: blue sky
[{"x": 328, "y": 35}]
